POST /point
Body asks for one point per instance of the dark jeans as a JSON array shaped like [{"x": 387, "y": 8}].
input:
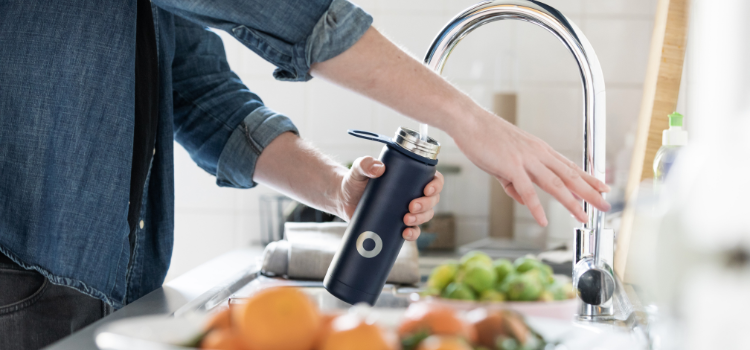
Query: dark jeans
[{"x": 35, "y": 313}]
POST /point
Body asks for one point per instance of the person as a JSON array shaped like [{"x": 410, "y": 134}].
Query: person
[{"x": 92, "y": 97}]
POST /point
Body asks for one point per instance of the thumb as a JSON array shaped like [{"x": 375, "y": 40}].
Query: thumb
[{"x": 366, "y": 167}]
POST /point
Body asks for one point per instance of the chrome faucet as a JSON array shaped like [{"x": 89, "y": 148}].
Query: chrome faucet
[{"x": 593, "y": 277}]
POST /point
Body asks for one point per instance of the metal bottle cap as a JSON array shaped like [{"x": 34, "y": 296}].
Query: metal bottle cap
[{"x": 411, "y": 141}]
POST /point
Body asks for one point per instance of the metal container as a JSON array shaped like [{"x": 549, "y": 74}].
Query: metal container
[{"x": 374, "y": 237}]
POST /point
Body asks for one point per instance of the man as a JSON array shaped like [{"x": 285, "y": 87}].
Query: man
[{"x": 86, "y": 184}]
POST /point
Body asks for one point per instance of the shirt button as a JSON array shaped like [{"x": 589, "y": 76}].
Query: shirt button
[{"x": 141, "y": 224}]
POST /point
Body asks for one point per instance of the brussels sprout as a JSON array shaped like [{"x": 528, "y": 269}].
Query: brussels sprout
[
  {"x": 442, "y": 275},
  {"x": 525, "y": 287},
  {"x": 491, "y": 295},
  {"x": 458, "y": 290},
  {"x": 475, "y": 256},
  {"x": 478, "y": 276},
  {"x": 503, "y": 268}
]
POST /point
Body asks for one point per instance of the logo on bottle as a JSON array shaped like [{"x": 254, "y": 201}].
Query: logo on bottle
[{"x": 361, "y": 244}]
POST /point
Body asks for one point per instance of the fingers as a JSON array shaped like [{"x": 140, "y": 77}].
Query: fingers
[
  {"x": 575, "y": 182},
  {"x": 423, "y": 204},
  {"x": 411, "y": 233},
  {"x": 555, "y": 186},
  {"x": 511, "y": 191},
  {"x": 366, "y": 168},
  {"x": 418, "y": 219},
  {"x": 525, "y": 190},
  {"x": 592, "y": 181},
  {"x": 436, "y": 185},
  {"x": 574, "y": 179}
]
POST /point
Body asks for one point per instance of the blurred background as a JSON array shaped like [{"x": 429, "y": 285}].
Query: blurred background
[{"x": 501, "y": 62}]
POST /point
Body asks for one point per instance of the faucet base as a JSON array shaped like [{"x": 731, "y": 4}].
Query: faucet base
[{"x": 588, "y": 312}]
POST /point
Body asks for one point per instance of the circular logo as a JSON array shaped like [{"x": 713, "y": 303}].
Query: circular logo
[{"x": 361, "y": 244}]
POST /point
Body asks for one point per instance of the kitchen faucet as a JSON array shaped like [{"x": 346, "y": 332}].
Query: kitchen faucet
[{"x": 593, "y": 277}]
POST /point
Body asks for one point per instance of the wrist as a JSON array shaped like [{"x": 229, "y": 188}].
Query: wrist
[{"x": 337, "y": 195}]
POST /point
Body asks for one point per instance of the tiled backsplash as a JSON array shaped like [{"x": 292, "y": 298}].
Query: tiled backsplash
[{"x": 507, "y": 56}]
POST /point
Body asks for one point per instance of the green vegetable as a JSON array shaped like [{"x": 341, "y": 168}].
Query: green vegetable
[
  {"x": 478, "y": 276},
  {"x": 503, "y": 268},
  {"x": 507, "y": 343},
  {"x": 491, "y": 295},
  {"x": 443, "y": 274},
  {"x": 430, "y": 292},
  {"x": 460, "y": 291},
  {"x": 525, "y": 287},
  {"x": 411, "y": 342},
  {"x": 475, "y": 256}
]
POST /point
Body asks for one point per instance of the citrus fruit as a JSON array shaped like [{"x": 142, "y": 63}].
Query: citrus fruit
[
  {"x": 434, "y": 319},
  {"x": 488, "y": 325},
  {"x": 223, "y": 339},
  {"x": 350, "y": 332},
  {"x": 443, "y": 342},
  {"x": 280, "y": 318},
  {"x": 220, "y": 319},
  {"x": 325, "y": 328}
]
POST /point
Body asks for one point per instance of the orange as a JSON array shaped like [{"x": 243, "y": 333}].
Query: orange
[
  {"x": 220, "y": 319},
  {"x": 443, "y": 342},
  {"x": 280, "y": 318},
  {"x": 435, "y": 319},
  {"x": 350, "y": 332},
  {"x": 326, "y": 320},
  {"x": 488, "y": 325},
  {"x": 222, "y": 339}
]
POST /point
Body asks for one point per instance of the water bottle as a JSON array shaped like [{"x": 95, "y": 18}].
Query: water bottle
[{"x": 373, "y": 239}]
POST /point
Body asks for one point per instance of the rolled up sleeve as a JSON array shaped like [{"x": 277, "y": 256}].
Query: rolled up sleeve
[
  {"x": 291, "y": 34},
  {"x": 237, "y": 161},
  {"x": 221, "y": 123}
]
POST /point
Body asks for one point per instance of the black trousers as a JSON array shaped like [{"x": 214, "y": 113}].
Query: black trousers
[{"x": 35, "y": 313}]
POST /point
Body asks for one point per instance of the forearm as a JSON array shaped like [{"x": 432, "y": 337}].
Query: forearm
[
  {"x": 377, "y": 68},
  {"x": 295, "y": 168}
]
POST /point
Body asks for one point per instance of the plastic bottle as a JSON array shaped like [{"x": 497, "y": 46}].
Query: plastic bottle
[{"x": 672, "y": 140}]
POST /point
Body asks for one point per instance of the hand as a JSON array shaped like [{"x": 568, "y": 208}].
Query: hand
[
  {"x": 518, "y": 160},
  {"x": 366, "y": 168}
]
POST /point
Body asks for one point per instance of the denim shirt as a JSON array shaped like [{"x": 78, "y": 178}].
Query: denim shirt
[{"x": 67, "y": 116}]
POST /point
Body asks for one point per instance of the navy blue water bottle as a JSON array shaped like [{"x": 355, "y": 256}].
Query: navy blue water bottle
[{"x": 373, "y": 239}]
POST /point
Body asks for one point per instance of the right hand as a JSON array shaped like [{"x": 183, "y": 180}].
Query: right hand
[{"x": 518, "y": 160}]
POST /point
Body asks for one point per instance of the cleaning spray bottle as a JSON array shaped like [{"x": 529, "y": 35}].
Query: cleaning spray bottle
[{"x": 672, "y": 140}]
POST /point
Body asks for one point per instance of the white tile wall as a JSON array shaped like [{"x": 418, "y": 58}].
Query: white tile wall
[{"x": 501, "y": 57}]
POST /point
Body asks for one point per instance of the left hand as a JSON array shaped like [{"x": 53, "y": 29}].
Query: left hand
[{"x": 366, "y": 168}]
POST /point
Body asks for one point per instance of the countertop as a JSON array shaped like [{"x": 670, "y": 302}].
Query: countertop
[{"x": 171, "y": 296}]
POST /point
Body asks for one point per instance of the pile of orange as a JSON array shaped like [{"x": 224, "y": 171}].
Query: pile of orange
[{"x": 284, "y": 318}]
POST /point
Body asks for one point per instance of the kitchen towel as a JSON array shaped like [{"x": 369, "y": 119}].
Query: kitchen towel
[{"x": 308, "y": 249}]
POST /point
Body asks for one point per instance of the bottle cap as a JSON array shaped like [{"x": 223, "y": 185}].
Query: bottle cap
[
  {"x": 411, "y": 141},
  {"x": 675, "y": 119},
  {"x": 675, "y": 135}
]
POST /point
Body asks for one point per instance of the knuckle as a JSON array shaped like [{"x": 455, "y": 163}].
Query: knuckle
[{"x": 557, "y": 183}]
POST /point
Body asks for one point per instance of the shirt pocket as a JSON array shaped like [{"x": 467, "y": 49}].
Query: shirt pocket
[{"x": 21, "y": 289}]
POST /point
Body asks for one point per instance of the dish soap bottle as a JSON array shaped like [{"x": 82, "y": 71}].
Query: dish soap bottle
[{"x": 672, "y": 140}]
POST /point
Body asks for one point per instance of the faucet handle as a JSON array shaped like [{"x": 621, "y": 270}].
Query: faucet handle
[{"x": 593, "y": 280}]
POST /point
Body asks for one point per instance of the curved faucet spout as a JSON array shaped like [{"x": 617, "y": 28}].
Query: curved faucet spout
[
  {"x": 592, "y": 275},
  {"x": 594, "y": 116}
]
